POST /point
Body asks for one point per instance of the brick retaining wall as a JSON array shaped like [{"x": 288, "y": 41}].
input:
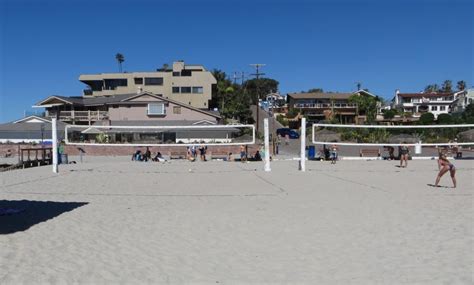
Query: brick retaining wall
[{"x": 125, "y": 150}]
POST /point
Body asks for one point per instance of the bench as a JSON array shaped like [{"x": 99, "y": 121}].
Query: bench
[
  {"x": 217, "y": 155},
  {"x": 369, "y": 152},
  {"x": 177, "y": 154}
]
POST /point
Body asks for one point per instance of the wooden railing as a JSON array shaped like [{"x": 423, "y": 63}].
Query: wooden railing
[{"x": 83, "y": 116}]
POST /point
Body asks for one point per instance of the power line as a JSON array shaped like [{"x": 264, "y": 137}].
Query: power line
[{"x": 257, "y": 69}]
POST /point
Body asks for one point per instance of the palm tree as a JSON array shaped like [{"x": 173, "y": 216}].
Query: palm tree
[
  {"x": 447, "y": 86},
  {"x": 120, "y": 58},
  {"x": 461, "y": 85}
]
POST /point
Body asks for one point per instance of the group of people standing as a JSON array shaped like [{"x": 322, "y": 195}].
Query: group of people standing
[{"x": 192, "y": 151}]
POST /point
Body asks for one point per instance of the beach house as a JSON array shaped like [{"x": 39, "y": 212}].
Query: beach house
[
  {"x": 416, "y": 104},
  {"x": 325, "y": 106}
]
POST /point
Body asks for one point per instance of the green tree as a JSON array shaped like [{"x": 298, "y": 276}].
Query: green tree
[
  {"x": 366, "y": 105},
  {"x": 468, "y": 114},
  {"x": 315, "y": 90},
  {"x": 461, "y": 85},
  {"x": 389, "y": 114},
  {"x": 432, "y": 88},
  {"x": 120, "y": 58},
  {"x": 447, "y": 86},
  {"x": 426, "y": 119},
  {"x": 259, "y": 88},
  {"x": 444, "y": 119}
]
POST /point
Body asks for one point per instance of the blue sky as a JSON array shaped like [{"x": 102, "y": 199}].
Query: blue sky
[{"x": 385, "y": 45}]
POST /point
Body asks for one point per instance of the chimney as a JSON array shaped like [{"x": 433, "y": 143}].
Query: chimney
[{"x": 397, "y": 100}]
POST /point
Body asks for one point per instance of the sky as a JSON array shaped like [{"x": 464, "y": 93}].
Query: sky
[{"x": 384, "y": 45}]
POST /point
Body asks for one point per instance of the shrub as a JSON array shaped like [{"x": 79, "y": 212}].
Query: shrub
[{"x": 426, "y": 119}]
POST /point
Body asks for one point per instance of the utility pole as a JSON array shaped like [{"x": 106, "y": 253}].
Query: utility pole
[
  {"x": 257, "y": 75},
  {"x": 242, "y": 77},
  {"x": 235, "y": 77}
]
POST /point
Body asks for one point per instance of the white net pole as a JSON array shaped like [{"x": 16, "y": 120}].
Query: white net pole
[
  {"x": 54, "y": 137},
  {"x": 267, "y": 145},
  {"x": 303, "y": 145}
]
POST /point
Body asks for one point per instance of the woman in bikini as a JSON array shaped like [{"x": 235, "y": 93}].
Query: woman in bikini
[{"x": 444, "y": 166}]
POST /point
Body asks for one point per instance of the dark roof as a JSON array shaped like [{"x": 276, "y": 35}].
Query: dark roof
[
  {"x": 153, "y": 123},
  {"x": 320, "y": 95},
  {"x": 426, "y": 95},
  {"x": 122, "y": 99},
  {"x": 29, "y": 131}
]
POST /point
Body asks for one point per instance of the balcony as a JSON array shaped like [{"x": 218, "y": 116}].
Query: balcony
[
  {"x": 326, "y": 105},
  {"x": 79, "y": 116}
]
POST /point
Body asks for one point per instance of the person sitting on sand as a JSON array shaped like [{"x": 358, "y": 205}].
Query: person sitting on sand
[
  {"x": 137, "y": 156},
  {"x": 229, "y": 157},
  {"x": 257, "y": 156},
  {"x": 158, "y": 157},
  {"x": 444, "y": 166}
]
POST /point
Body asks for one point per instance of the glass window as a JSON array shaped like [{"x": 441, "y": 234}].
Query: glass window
[
  {"x": 442, "y": 108},
  {"x": 434, "y": 108},
  {"x": 176, "y": 73},
  {"x": 185, "y": 89},
  {"x": 176, "y": 110},
  {"x": 185, "y": 72},
  {"x": 197, "y": 90},
  {"x": 156, "y": 109},
  {"x": 175, "y": 89},
  {"x": 153, "y": 80},
  {"x": 138, "y": 81}
]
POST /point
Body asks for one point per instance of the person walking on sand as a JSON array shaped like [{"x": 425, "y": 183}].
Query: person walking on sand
[
  {"x": 333, "y": 154},
  {"x": 243, "y": 154},
  {"x": 404, "y": 154},
  {"x": 444, "y": 165}
]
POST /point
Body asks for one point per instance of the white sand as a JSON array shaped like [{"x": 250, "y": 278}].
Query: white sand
[{"x": 356, "y": 222}]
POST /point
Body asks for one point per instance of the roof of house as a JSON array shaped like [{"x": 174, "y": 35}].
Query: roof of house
[
  {"x": 22, "y": 129},
  {"x": 119, "y": 99},
  {"x": 327, "y": 95},
  {"x": 320, "y": 95},
  {"x": 426, "y": 95}
]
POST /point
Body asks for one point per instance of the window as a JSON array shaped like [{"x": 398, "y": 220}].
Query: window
[
  {"x": 176, "y": 110},
  {"x": 197, "y": 90},
  {"x": 185, "y": 89},
  {"x": 185, "y": 72},
  {"x": 153, "y": 80},
  {"x": 156, "y": 109},
  {"x": 138, "y": 81},
  {"x": 442, "y": 108},
  {"x": 176, "y": 73},
  {"x": 175, "y": 90},
  {"x": 434, "y": 108}
]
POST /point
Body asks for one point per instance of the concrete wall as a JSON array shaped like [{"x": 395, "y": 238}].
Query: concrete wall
[{"x": 203, "y": 79}]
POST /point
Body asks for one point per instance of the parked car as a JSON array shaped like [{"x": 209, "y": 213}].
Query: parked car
[{"x": 287, "y": 131}]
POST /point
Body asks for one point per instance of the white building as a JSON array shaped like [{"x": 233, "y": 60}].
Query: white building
[
  {"x": 463, "y": 99},
  {"x": 419, "y": 103}
]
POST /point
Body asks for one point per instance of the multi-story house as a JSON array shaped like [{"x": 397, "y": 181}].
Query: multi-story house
[
  {"x": 418, "y": 103},
  {"x": 188, "y": 84},
  {"x": 325, "y": 106},
  {"x": 138, "y": 108},
  {"x": 464, "y": 98}
]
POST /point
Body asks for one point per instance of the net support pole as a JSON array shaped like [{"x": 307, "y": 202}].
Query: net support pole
[
  {"x": 267, "y": 145},
  {"x": 303, "y": 145},
  {"x": 54, "y": 137}
]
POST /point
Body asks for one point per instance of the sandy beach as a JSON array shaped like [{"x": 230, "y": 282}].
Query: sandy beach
[{"x": 109, "y": 221}]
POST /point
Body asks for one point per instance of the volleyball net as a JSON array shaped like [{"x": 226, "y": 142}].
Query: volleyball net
[
  {"x": 208, "y": 135},
  {"x": 363, "y": 140}
]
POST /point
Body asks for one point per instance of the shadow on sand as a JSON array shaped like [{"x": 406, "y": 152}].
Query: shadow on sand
[{"x": 17, "y": 216}]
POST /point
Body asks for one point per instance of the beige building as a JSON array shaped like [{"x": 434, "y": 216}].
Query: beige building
[
  {"x": 135, "y": 109},
  {"x": 188, "y": 84}
]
